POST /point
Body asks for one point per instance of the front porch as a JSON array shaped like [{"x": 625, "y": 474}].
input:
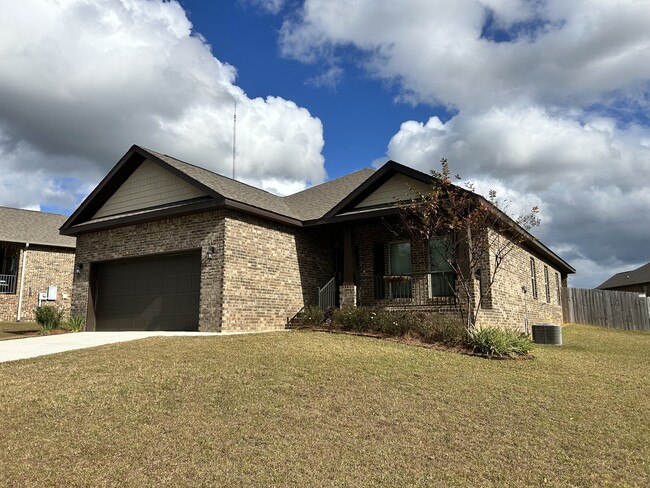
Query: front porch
[{"x": 377, "y": 265}]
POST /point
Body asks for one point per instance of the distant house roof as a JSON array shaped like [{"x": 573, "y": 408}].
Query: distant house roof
[
  {"x": 628, "y": 278},
  {"x": 29, "y": 226}
]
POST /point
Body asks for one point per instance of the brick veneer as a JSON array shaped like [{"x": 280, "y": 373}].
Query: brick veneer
[
  {"x": 270, "y": 271},
  {"x": 261, "y": 273},
  {"x": 190, "y": 232},
  {"x": 504, "y": 306},
  {"x": 510, "y": 304},
  {"x": 45, "y": 266}
]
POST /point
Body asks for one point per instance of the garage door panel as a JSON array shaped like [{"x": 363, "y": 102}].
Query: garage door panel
[{"x": 156, "y": 293}]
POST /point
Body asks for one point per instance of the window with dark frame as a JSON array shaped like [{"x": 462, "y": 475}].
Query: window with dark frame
[
  {"x": 547, "y": 285},
  {"x": 399, "y": 254},
  {"x": 533, "y": 278},
  {"x": 442, "y": 277},
  {"x": 557, "y": 288}
]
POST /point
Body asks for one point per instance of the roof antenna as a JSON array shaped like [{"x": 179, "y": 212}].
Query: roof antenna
[{"x": 234, "y": 139}]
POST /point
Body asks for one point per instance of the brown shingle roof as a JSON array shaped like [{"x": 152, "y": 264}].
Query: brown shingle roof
[
  {"x": 628, "y": 278},
  {"x": 308, "y": 204},
  {"x": 316, "y": 201},
  {"x": 17, "y": 225},
  {"x": 229, "y": 188}
]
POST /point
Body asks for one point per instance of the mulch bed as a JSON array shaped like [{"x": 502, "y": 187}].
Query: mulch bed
[{"x": 414, "y": 341}]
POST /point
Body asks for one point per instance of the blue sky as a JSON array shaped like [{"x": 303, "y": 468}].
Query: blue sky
[
  {"x": 359, "y": 114},
  {"x": 546, "y": 102}
]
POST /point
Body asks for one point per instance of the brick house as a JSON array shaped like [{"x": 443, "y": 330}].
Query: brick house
[
  {"x": 163, "y": 244},
  {"x": 34, "y": 260},
  {"x": 636, "y": 280}
]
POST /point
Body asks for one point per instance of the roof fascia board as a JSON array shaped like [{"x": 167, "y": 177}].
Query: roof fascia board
[
  {"x": 141, "y": 218},
  {"x": 381, "y": 176},
  {"x": 34, "y": 243},
  {"x": 105, "y": 188},
  {"x": 369, "y": 215}
]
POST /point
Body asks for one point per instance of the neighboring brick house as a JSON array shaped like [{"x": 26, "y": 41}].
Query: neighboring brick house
[
  {"x": 637, "y": 280},
  {"x": 163, "y": 244},
  {"x": 34, "y": 259}
]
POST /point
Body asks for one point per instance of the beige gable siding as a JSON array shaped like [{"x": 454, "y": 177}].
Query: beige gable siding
[
  {"x": 148, "y": 186},
  {"x": 399, "y": 187}
]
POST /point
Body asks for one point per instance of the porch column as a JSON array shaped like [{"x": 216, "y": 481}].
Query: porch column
[{"x": 348, "y": 290}]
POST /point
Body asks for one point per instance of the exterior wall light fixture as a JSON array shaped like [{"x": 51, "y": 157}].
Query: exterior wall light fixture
[
  {"x": 79, "y": 268},
  {"x": 210, "y": 253}
]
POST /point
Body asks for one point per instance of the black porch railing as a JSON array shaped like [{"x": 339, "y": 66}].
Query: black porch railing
[
  {"x": 414, "y": 289},
  {"x": 7, "y": 284},
  {"x": 327, "y": 295}
]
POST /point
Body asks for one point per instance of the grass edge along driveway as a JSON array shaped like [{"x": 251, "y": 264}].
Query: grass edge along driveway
[{"x": 314, "y": 409}]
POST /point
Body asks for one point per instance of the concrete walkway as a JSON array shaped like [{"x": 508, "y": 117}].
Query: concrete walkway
[{"x": 31, "y": 347}]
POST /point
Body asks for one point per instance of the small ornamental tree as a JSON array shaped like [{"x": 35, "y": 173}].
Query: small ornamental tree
[{"x": 478, "y": 234}]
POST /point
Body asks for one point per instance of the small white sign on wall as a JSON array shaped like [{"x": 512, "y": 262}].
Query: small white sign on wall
[{"x": 51, "y": 292}]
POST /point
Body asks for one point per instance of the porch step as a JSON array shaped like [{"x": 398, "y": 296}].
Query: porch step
[{"x": 296, "y": 321}]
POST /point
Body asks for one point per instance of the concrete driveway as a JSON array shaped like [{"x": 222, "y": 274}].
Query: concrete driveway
[{"x": 30, "y": 347}]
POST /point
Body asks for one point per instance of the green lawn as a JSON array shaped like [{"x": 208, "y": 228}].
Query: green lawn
[
  {"x": 18, "y": 330},
  {"x": 315, "y": 409}
]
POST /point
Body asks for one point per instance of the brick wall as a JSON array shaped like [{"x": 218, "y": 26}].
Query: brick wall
[
  {"x": 261, "y": 274},
  {"x": 164, "y": 236},
  {"x": 387, "y": 231},
  {"x": 270, "y": 271},
  {"x": 510, "y": 304},
  {"x": 45, "y": 266},
  {"x": 504, "y": 306}
]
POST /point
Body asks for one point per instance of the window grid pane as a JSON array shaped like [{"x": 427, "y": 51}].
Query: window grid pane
[
  {"x": 547, "y": 285},
  {"x": 533, "y": 278}
]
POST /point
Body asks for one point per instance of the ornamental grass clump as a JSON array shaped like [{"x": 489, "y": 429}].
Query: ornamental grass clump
[
  {"x": 75, "y": 323},
  {"x": 493, "y": 341}
]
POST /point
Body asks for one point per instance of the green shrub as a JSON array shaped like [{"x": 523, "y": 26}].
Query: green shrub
[
  {"x": 428, "y": 327},
  {"x": 394, "y": 323},
  {"x": 48, "y": 317},
  {"x": 432, "y": 327},
  {"x": 313, "y": 315},
  {"x": 493, "y": 341},
  {"x": 354, "y": 318},
  {"x": 75, "y": 323}
]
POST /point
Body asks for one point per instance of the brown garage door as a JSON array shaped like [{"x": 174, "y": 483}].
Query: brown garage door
[{"x": 159, "y": 293}]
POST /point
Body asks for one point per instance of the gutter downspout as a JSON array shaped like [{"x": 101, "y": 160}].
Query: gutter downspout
[{"x": 22, "y": 282}]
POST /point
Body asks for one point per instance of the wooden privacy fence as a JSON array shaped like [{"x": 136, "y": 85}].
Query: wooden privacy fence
[{"x": 617, "y": 309}]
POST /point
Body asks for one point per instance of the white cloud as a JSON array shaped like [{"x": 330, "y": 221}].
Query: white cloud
[
  {"x": 550, "y": 100},
  {"x": 82, "y": 81},
  {"x": 586, "y": 174},
  {"x": 563, "y": 52},
  {"x": 270, "y": 6}
]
